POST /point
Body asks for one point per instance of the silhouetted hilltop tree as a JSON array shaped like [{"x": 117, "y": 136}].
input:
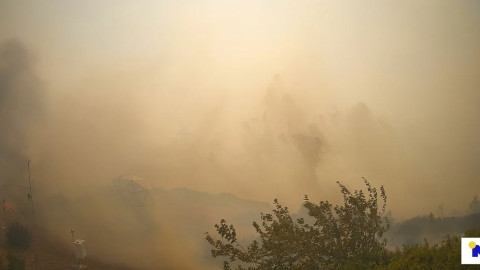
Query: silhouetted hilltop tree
[{"x": 474, "y": 206}]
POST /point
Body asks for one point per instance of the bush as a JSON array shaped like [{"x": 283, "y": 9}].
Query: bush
[
  {"x": 15, "y": 262},
  {"x": 18, "y": 236},
  {"x": 348, "y": 236},
  {"x": 2, "y": 266}
]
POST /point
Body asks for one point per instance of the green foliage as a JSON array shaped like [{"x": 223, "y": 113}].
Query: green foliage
[
  {"x": 445, "y": 255},
  {"x": 347, "y": 236},
  {"x": 18, "y": 236},
  {"x": 473, "y": 232},
  {"x": 15, "y": 262}
]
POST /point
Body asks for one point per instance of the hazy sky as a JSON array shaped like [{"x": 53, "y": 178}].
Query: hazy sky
[{"x": 234, "y": 95}]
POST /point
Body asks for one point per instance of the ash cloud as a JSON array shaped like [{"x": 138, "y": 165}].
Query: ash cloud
[
  {"x": 182, "y": 95},
  {"x": 112, "y": 123},
  {"x": 21, "y": 108}
]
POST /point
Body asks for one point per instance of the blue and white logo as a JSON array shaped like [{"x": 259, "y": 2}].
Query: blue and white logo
[{"x": 470, "y": 250}]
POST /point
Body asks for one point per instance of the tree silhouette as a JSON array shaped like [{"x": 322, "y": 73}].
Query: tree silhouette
[{"x": 340, "y": 236}]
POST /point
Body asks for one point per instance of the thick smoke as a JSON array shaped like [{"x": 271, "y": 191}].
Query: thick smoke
[
  {"x": 282, "y": 150},
  {"x": 112, "y": 123},
  {"x": 185, "y": 95},
  {"x": 21, "y": 108}
]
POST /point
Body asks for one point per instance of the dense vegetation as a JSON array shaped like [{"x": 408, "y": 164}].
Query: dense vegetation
[
  {"x": 445, "y": 255},
  {"x": 348, "y": 236}
]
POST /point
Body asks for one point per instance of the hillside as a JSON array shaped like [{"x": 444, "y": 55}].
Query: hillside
[{"x": 415, "y": 230}]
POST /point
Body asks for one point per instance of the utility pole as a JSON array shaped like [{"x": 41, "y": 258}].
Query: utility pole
[
  {"x": 29, "y": 195},
  {"x": 5, "y": 214}
]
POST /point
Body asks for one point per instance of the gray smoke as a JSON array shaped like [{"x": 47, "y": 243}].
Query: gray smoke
[{"x": 20, "y": 108}]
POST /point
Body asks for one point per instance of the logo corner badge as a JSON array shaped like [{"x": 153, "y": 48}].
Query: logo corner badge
[{"x": 470, "y": 250}]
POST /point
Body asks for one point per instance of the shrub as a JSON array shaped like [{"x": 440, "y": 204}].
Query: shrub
[
  {"x": 347, "y": 236},
  {"x": 18, "y": 236},
  {"x": 15, "y": 262},
  {"x": 2, "y": 266}
]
